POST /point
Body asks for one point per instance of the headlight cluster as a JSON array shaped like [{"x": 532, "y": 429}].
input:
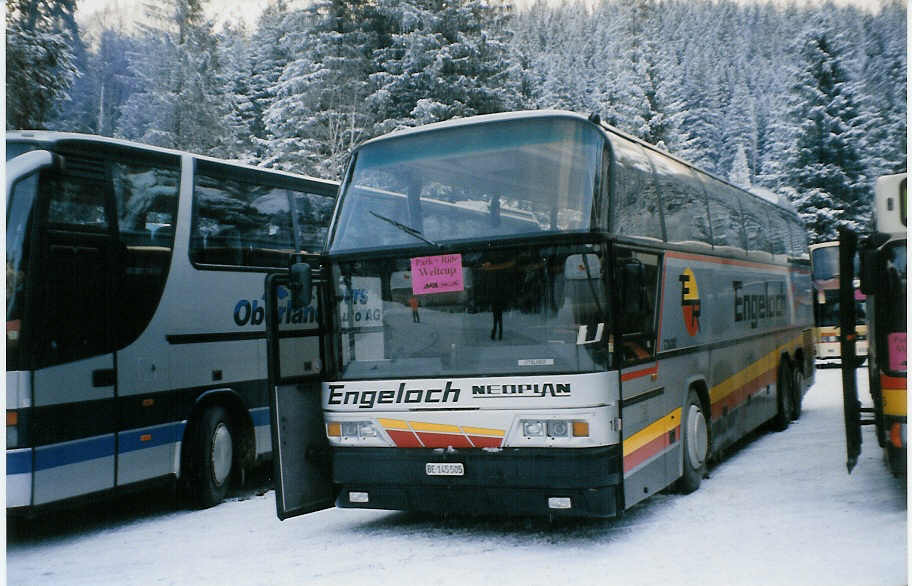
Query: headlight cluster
[
  {"x": 554, "y": 428},
  {"x": 352, "y": 430}
]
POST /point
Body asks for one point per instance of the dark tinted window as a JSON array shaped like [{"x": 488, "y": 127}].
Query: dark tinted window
[
  {"x": 725, "y": 211},
  {"x": 243, "y": 218},
  {"x": 636, "y": 200},
  {"x": 756, "y": 225},
  {"x": 146, "y": 195},
  {"x": 683, "y": 201},
  {"x": 779, "y": 233}
]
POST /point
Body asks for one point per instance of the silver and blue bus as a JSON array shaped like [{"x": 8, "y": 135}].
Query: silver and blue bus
[
  {"x": 534, "y": 313},
  {"x": 135, "y": 337}
]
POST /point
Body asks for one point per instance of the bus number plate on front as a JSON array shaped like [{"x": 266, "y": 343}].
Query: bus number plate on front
[{"x": 444, "y": 469}]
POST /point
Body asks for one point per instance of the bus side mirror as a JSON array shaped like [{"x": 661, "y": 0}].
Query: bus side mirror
[
  {"x": 301, "y": 285},
  {"x": 871, "y": 271}
]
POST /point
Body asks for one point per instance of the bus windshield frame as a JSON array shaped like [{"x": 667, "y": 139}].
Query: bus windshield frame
[{"x": 519, "y": 178}]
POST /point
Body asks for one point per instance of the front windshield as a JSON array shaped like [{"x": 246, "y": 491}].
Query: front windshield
[
  {"x": 484, "y": 181},
  {"x": 503, "y": 311},
  {"x": 18, "y": 214},
  {"x": 825, "y": 262}
]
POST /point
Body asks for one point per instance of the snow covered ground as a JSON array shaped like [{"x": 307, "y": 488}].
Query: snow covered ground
[{"x": 780, "y": 510}]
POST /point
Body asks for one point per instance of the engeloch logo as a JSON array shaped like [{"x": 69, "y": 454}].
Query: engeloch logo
[{"x": 690, "y": 301}]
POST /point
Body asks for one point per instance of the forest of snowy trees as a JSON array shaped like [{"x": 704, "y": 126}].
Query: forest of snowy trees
[{"x": 808, "y": 100}]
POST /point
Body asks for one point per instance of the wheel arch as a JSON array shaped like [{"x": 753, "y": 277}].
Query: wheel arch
[
  {"x": 699, "y": 385},
  {"x": 241, "y": 422}
]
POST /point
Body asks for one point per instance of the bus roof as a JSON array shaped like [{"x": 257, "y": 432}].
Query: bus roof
[
  {"x": 760, "y": 193},
  {"x": 50, "y": 138}
]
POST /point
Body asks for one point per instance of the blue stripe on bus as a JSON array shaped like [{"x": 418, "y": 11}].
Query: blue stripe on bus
[
  {"x": 260, "y": 416},
  {"x": 74, "y": 452},
  {"x": 133, "y": 440},
  {"x": 18, "y": 462}
]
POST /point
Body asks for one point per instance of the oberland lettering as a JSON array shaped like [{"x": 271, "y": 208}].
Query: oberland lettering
[
  {"x": 366, "y": 399},
  {"x": 752, "y": 307}
]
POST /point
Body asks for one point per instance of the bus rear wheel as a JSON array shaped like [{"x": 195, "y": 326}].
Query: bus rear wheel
[
  {"x": 784, "y": 397},
  {"x": 797, "y": 392},
  {"x": 212, "y": 458},
  {"x": 695, "y": 442}
]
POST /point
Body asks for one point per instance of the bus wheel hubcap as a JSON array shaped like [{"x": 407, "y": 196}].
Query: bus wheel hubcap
[
  {"x": 696, "y": 436},
  {"x": 220, "y": 455}
]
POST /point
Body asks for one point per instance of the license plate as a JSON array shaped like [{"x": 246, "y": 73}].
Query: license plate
[{"x": 444, "y": 469}]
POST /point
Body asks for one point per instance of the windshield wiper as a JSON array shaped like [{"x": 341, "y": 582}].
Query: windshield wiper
[{"x": 407, "y": 229}]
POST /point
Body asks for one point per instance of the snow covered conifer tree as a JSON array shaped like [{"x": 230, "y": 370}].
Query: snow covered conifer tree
[
  {"x": 445, "y": 59},
  {"x": 180, "y": 100},
  {"x": 824, "y": 164},
  {"x": 317, "y": 114},
  {"x": 40, "y": 62}
]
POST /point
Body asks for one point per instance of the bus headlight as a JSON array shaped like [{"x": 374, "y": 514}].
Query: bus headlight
[
  {"x": 361, "y": 433},
  {"x": 554, "y": 428}
]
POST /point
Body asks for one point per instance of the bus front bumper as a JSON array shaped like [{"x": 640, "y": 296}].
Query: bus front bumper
[{"x": 528, "y": 481}]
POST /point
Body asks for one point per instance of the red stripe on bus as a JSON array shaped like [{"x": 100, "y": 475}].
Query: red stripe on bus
[
  {"x": 404, "y": 439},
  {"x": 443, "y": 440},
  {"x": 726, "y": 261},
  {"x": 647, "y": 451},
  {"x": 654, "y": 369},
  {"x": 740, "y": 394},
  {"x": 481, "y": 441},
  {"x": 892, "y": 382}
]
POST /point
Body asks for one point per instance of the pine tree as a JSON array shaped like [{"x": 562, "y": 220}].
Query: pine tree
[
  {"x": 445, "y": 59},
  {"x": 180, "y": 101},
  {"x": 318, "y": 114},
  {"x": 824, "y": 163},
  {"x": 40, "y": 61}
]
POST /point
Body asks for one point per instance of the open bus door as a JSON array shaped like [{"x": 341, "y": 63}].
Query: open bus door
[
  {"x": 848, "y": 243},
  {"x": 301, "y": 457}
]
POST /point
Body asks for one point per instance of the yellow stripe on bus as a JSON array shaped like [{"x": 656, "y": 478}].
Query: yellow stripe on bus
[
  {"x": 394, "y": 424},
  {"x": 755, "y": 370},
  {"x": 483, "y": 431},
  {"x": 434, "y": 427},
  {"x": 652, "y": 431},
  {"x": 894, "y": 402}
]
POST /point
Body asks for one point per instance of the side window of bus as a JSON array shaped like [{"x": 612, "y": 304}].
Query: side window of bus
[
  {"x": 636, "y": 207},
  {"x": 798, "y": 246},
  {"x": 243, "y": 218},
  {"x": 756, "y": 226},
  {"x": 683, "y": 202},
  {"x": 77, "y": 254},
  {"x": 638, "y": 276},
  {"x": 778, "y": 234},
  {"x": 725, "y": 214},
  {"x": 146, "y": 194}
]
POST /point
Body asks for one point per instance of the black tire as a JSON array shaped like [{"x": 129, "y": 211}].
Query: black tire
[
  {"x": 784, "y": 401},
  {"x": 212, "y": 458},
  {"x": 694, "y": 444},
  {"x": 797, "y": 392}
]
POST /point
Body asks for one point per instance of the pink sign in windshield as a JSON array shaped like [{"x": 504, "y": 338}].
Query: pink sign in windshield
[
  {"x": 896, "y": 346},
  {"x": 437, "y": 274}
]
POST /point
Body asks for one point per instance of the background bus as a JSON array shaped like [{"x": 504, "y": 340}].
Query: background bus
[
  {"x": 597, "y": 319},
  {"x": 825, "y": 276},
  {"x": 883, "y": 280},
  {"x": 134, "y": 319}
]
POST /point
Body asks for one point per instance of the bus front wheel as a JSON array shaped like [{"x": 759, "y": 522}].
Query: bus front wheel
[
  {"x": 797, "y": 392},
  {"x": 695, "y": 444},
  {"x": 212, "y": 458}
]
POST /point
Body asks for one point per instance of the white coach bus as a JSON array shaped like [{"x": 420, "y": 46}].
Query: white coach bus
[
  {"x": 135, "y": 337},
  {"x": 533, "y": 313}
]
